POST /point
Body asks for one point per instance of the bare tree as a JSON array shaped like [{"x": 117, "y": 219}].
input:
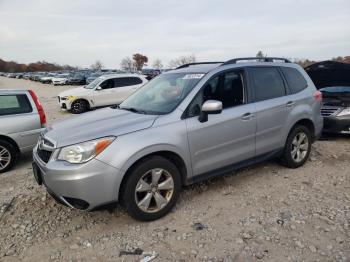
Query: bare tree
[
  {"x": 157, "y": 64},
  {"x": 97, "y": 65},
  {"x": 126, "y": 64},
  {"x": 182, "y": 60},
  {"x": 139, "y": 60},
  {"x": 260, "y": 54}
]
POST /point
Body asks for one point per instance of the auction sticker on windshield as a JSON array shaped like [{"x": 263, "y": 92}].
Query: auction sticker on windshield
[{"x": 193, "y": 76}]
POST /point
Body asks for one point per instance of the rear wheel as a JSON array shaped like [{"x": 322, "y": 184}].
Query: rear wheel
[
  {"x": 297, "y": 148},
  {"x": 8, "y": 156},
  {"x": 79, "y": 106},
  {"x": 152, "y": 189}
]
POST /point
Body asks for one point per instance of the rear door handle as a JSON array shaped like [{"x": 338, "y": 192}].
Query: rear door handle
[
  {"x": 247, "y": 116},
  {"x": 290, "y": 104}
]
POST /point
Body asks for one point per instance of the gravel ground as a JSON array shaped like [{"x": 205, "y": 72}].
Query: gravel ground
[{"x": 266, "y": 212}]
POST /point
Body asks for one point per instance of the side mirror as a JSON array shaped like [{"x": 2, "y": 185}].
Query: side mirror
[
  {"x": 210, "y": 107},
  {"x": 98, "y": 88}
]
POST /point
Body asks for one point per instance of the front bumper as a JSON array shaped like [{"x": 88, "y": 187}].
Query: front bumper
[
  {"x": 334, "y": 124},
  {"x": 65, "y": 104},
  {"x": 82, "y": 186}
]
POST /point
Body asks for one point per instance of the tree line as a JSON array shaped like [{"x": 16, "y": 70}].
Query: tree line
[
  {"x": 134, "y": 63},
  {"x": 11, "y": 66}
]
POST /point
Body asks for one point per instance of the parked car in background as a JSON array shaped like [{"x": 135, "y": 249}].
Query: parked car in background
[
  {"x": 22, "y": 119},
  {"x": 150, "y": 73},
  {"x": 76, "y": 79},
  {"x": 93, "y": 76},
  {"x": 186, "y": 125},
  {"x": 60, "y": 79},
  {"x": 103, "y": 91},
  {"x": 333, "y": 80},
  {"x": 47, "y": 78}
]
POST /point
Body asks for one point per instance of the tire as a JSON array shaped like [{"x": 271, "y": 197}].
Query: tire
[
  {"x": 297, "y": 151},
  {"x": 8, "y": 156},
  {"x": 142, "y": 185},
  {"x": 79, "y": 106}
]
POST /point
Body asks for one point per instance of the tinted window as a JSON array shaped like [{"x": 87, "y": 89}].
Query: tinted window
[
  {"x": 109, "y": 83},
  {"x": 295, "y": 79},
  {"x": 267, "y": 82},
  {"x": 126, "y": 81},
  {"x": 227, "y": 88},
  {"x": 14, "y": 104}
]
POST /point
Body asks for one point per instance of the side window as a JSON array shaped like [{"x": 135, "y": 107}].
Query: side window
[
  {"x": 107, "y": 84},
  {"x": 295, "y": 79},
  {"x": 127, "y": 81},
  {"x": 134, "y": 81},
  {"x": 227, "y": 87},
  {"x": 14, "y": 104},
  {"x": 268, "y": 83}
]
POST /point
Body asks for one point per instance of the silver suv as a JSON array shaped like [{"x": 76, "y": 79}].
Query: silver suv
[
  {"x": 184, "y": 126},
  {"x": 22, "y": 119}
]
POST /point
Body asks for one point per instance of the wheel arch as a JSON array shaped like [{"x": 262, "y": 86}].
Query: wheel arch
[
  {"x": 307, "y": 122},
  {"x": 11, "y": 141},
  {"x": 167, "y": 154}
]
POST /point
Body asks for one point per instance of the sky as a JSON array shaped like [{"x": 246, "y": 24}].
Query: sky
[{"x": 79, "y": 32}]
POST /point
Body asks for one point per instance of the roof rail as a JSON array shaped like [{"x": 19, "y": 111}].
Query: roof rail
[
  {"x": 261, "y": 59},
  {"x": 199, "y": 63}
]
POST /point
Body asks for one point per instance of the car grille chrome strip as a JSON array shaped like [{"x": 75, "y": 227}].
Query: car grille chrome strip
[{"x": 330, "y": 110}]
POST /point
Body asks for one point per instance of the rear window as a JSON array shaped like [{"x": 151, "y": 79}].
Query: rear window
[
  {"x": 14, "y": 104},
  {"x": 268, "y": 83},
  {"x": 295, "y": 79}
]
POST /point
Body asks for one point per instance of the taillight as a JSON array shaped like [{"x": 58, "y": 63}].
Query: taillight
[
  {"x": 318, "y": 96},
  {"x": 39, "y": 107}
]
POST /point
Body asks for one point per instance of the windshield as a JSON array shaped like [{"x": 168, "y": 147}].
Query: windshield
[
  {"x": 94, "y": 83},
  {"x": 163, "y": 94}
]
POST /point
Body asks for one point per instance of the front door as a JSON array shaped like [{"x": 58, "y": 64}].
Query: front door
[{"x": 226, "y": 138}]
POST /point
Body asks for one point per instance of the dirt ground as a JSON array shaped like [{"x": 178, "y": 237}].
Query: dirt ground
[{"x": 266, "y": 212}]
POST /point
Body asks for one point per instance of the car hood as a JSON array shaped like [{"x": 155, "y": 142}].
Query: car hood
[
  {"x": 96, "y": 124},
  {"x": 336, "y": 90},
  {"x": 79, "y": 91}
]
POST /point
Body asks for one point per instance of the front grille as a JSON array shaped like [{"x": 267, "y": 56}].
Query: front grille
[
  {"x": 330, "y": 110},
  {"x": 44, "y": 155}
]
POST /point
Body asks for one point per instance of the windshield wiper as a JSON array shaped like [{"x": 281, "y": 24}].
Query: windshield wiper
[{"x": 133, "y": 109}]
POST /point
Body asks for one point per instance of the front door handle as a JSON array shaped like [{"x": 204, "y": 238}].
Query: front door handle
[
  {"x": 247, "y": 116},
  {"x": 290, "y": 104}
]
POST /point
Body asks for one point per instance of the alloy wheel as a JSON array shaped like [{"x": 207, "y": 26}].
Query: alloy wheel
[
  {"x": 154, "y": 190},
  {"x": 300, "y": 147},
  {"x": 5, "y": 157}
]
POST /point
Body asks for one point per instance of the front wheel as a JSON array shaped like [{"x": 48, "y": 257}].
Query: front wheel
[
  {"x": 79, "y": 106},
  {"x": 152, "y": 189},
  {"x": 297, "y": 148}
]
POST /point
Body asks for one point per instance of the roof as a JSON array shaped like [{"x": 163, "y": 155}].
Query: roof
[
  {"x": 108, "y": 76},
  {"x": 205, "y": 68},
  {"x": 13, "y": 91}
]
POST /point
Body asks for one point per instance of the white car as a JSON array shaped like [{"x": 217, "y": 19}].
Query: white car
[
  {"x": 103, "y": 91},
  {"x": 60, "y": 79}
]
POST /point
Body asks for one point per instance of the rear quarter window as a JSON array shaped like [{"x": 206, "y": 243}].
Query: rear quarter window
[
  {"x": 14, "y": 104},
  {"x": 295, "y": 79}
]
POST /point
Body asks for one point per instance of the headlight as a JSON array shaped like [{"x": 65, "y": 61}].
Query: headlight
[
  {"x": 83, "y": 152},
  {"x": 344, "y": 112}
]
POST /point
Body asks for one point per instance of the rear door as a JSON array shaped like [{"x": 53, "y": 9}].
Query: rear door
[
  {"x": 271, "y": 101},
  {"x": 19, "y": 119}
]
